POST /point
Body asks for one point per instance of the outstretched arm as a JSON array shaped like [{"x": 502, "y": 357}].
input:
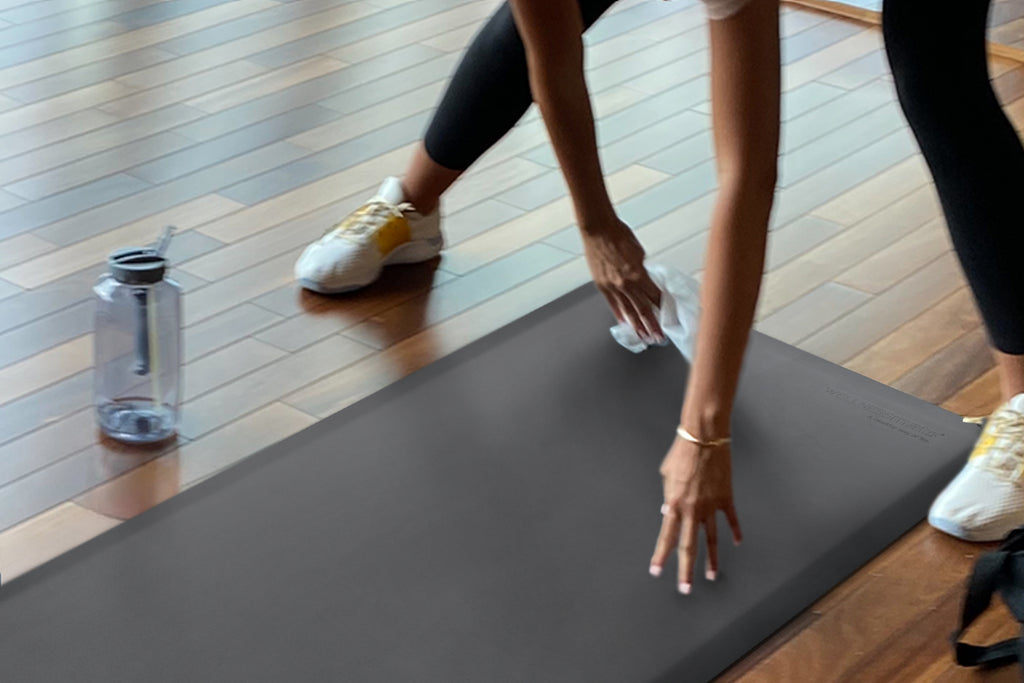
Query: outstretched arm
[
  {"x": 552, "y": 33},
  {"x": 745, "y": 90}
]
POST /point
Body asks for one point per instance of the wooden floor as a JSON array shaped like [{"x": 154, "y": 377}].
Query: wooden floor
[
  {"x": 252, "y": 124},
  {"x": 1006, "y": 23}
]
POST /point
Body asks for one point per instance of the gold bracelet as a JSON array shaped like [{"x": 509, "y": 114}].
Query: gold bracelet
[{"x": 715, "y": 443}]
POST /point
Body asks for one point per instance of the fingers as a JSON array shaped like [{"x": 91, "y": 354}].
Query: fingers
[
  {"x": 687, "y": 552},
  {"x": 734, "y": 523},
  {"x": 711, "y": 535},
  {"x": 667, "y": 539},
  {"x": 613, "y": 303},
  {"x": 646, "y": 310}
]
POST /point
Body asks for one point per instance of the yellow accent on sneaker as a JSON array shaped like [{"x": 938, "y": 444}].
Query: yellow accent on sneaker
[
  {"x": 393, "y": 234},
  {"x": 984, "y": 444},
  {"x": 379, "y": 220}
]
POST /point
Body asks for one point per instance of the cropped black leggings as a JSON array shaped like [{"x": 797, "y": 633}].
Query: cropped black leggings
[
  {"x": 937, "y": 53},
  {"x": 489, "y": 92},
  {"x": 936, "y": 49}
]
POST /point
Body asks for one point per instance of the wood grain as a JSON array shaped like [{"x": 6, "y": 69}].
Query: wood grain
[
  {"x": 47, "y": 536},
  {"x": 919, "y": 339}
]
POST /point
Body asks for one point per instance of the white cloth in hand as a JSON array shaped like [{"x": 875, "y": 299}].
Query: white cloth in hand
[{"x": 677, "y": 314}]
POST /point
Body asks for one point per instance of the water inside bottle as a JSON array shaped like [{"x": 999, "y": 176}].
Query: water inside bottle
[{"x": 136, "y": 420}]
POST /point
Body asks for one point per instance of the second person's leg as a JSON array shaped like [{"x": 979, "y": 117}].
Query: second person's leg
[{"x": 938, "y": 56}]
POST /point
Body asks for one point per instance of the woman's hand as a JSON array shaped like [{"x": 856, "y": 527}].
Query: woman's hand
[
  {"x": 616, "y": 261},
  {"x": 698, "y": 483}
]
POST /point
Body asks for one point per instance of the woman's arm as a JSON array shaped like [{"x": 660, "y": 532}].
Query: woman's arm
[
  {"x": 552, "y": 34},
  {"x": 745, "y": 90}
]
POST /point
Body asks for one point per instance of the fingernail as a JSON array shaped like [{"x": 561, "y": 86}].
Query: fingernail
[
  {"x": 664, "y": 509},
  {"x": 655, "y": 570},
  {"x": 711, "y": 575},
  {"x": 684, "y": 588}
]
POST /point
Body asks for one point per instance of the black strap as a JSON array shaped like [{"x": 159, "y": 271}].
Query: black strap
[{"x": 989, "y": 572}]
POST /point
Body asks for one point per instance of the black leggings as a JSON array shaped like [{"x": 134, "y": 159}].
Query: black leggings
[
  {"x": 937, "y": 53},
  {"x": 489, "y": 92},
  {"x": 936, "y": 50}
]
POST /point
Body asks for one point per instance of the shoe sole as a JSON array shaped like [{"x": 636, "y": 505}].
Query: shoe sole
[
  {"x": 956, "y": 531},
  {"x": 417, "y": 251}
]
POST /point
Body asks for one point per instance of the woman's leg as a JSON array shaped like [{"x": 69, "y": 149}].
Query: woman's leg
[
  {"x": 938, "y": 57},
  {"x": 487, "y": 95}
]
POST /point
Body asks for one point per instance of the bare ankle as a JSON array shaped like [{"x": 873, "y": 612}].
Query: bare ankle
[{"x": 424, "y": 204}]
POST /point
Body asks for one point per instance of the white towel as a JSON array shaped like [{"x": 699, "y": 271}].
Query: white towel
[{"x": 677, "y": 314}]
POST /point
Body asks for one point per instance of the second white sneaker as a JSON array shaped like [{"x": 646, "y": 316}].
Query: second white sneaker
[
  {"x": 386, "y": 230},
  {"x": 985, "y": 502}
]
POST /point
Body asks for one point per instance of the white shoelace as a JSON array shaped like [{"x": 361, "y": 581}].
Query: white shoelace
[
  {"x": 1005, "y": 457},
  {"x": 372, "y": 216}
]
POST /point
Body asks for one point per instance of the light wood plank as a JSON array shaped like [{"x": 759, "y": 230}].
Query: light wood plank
[
  {"x": 264, "y": 84},
  {"x": 265, "y": 245},
  {"x": 45, "y": 368},
  {"x": 22, "y": 248},
  {"x": 811, "y": 312},
  {"x": 47, "y": 536},
  {"x": 417, "y": 31},
  {"x": 847, "y": 249},
  {"x": 66, "y": 128},
  {"x": 537, "y": 225},
  {"x": 128, "y": 42},
  {"x": 252, "y": 220},
  {"x": 367, "y": 120},
  {"x": 885, "y": 268},
  {"x": 97, "y": 166},
  {"x": 876, "y": 193},
  {"x": 831, "y": 58},
  {"x": 54, "y": 108},
  {"x": 453, "y": 41},
  {"x": 174, "y": 93},
  {"x": 61, "y": 262},
  {"x": 859, "y": 71},
  {"x": 40, "y": 155},
  {"x": 880, "y": 316},
  {"x": 220, "y": 56}
]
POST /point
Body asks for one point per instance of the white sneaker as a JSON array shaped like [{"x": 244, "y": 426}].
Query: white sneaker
[
  {"x": 384, "y": 231},
  {"x": 985, "y": 502}
]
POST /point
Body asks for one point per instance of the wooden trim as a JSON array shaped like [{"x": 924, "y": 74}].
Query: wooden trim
[
  {"x": 875, "y": 18},
  {"x": 841, "y": 9}
]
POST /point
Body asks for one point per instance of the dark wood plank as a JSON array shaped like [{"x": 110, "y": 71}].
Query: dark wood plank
[
  {"x": 455, "y": 296},
  {"x": 949, "y": 370}
]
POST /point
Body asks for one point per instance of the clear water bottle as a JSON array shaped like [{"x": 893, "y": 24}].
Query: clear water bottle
[{"x": 138, "y": 346}]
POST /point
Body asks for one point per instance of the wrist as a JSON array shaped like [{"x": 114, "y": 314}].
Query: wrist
[
  {"x": 707, "y": 422},
  {"x": 597, "y": 221}
]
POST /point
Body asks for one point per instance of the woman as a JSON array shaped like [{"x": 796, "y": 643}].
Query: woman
[
  {"x": 938, "y": 57},
  {"x": 489, "y": 92}
]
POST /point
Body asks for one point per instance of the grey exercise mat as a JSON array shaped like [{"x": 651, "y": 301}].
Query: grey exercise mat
[{"x": 490, "y": 519}]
